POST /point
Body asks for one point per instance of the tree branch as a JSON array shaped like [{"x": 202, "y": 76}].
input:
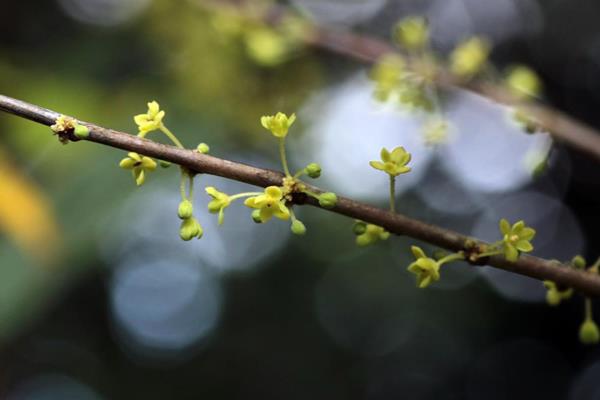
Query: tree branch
[{"x": 399, "y": 224}]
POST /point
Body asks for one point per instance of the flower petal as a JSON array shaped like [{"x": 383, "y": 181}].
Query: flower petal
[
  {"x": 139, "y": 176},
  {"x": 274, "y": 192},
  {"x": 377, "y": 165},
  {"x": 504, "y": 226},
  {"x": 524, "y": 245},
  {"x": 385, "y": 155},
  {"x": 511, "y": 253},
  {"x": 148, "y": 163},
  {"x": 527, "y": 233},
  {"x": 417, "y": 252},
  {"x": 127, "y": 163},
  {"x": 134, "y": 156}
]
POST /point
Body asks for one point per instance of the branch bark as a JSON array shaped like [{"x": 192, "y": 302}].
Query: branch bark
[{"x": 399, "y": 224}]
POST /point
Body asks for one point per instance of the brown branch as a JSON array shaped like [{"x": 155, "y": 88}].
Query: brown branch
[
  {"x": 534, "y": 267},
  {"x": 367, "y": 49}
]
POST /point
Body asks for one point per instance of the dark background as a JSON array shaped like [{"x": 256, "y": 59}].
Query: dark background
[{"x": 109, "y": 304}]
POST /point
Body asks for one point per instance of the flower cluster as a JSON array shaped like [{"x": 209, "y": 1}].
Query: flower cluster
[
  {"x": 556, "y": 294},
  {"x": 367, "y": 234}
]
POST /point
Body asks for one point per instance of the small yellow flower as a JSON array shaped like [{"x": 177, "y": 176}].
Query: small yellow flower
[
  {"x": 469, "y": 57},
  {"x": 393, "y": 163},
  {"x": 190, "y": 228},
  {"x": 412, "y": 33},
  {"x": 554, "y": 294},
  {"x": 267, "y": 47},
  {"x": 139, "y": 165},
  {"x": 523, "y": 82},
  {"x": 278, "y": 124},
  {"x": 371, "y": 234},
  {"x": 270, "y": 204},
  {"x": 435, "y": 132},
  {"x": 219, "y": 202},
  {"x": 516, "y": 238},
  {"x": 150, "y": 121},
  {"x": 426, "y": 269},
  {"x": 387, "y": 74}
]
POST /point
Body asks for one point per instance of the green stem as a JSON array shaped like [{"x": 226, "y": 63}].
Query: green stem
[
  {"x": 300, "y": 173},
  {"x": 311, "y": 194},
  {"x": 283, "y": 157},
  {"x": 240, "y": 195},
  {"x": 452, "y": 257},
  {"x": 191, "y": 179},
  {"x": 392, "y": 193},
  {"x": 182, "y": 186},
  {"x": 588, "y": 309},
  {"x": 489, "y": 253},
  {"x": 171, "y": 136}
]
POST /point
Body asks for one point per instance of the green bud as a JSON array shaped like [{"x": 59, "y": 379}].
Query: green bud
[
  {"x": 256, "y": 217},
  {"x": 190, "y": 228},
  {"x": 298, "y": 227},
  {"x": 359, "y": 228},
  {"x": 553, "y": 297},
  {"x": 203, "y": 148},
  {"x": 588, "y": 332},
  {"x": 81, "y": 131},
  {"x": 313, "y": 170},
  {"x": 327, "y": 200},
  {"x": 578, "y": 262},
  {"x": 164, "y": 164},
  {"x": 364, "y": 240},
  {"x": 185, "y": 210}
]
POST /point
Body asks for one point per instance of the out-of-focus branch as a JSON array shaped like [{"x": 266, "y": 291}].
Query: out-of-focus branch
[
  {"x": 367, "y": 49},
  {"x": 534, "y": 267}
]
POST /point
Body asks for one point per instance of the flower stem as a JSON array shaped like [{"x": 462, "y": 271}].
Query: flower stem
[
  {"x": 191, "y": 190},
  {"x": 392, "y": 193},
  {"x": 588, "y": 309},
  {"x": 171, "y": 136},
  {"x": 452, "y": 257},
  {"x": 246, "y": 194},
  {"x": 283, "y": 157},
  {"x": 182, "y": 186}
]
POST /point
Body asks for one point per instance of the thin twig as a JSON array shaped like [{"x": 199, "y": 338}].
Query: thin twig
[{"x": 534, "y": 267}]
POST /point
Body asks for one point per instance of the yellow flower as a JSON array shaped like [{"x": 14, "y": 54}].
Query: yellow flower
[
  {"x": 516, "y": 238},
  {"x": 426, "y": 269},
  {"x": 554, "y": 295},
  {"x": 278, "y": 124},
  {"x": 393, "y": 163},
  {"x": 270, "y": 204},
  {"x": 523, "y": 82},
  {"x": 64, "y": 123},
  {"x": 371, "y": 234},
  {"x": 139, "y": 165},
  {"x": 266, "y": 47},
  {"x": 469, "y": 57},
  {"x": 412, "y": 33},
  {"x": 150, "y": 121},
  {"x": 190, "y": 228},
  {"x": 388, "y": 74},
  {"x": 219, "y": 202}
]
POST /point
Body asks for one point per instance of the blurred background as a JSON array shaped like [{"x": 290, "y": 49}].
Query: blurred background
[{"x": 100, "y": 299}]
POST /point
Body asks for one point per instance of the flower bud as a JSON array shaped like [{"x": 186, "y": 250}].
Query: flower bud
[
  {"x": 359, "y": 228},
  {"x": 298, "y": 227},
  {"x": 185, "y": 210},
  {"x": 203, "y": 148},
  {"x": 81, "y": 131},
  {"x": 190, "y": 228},
  {"x": 553, "y": 297},
  {"x": 256, "y": 217},
  {"x": 327, "y": 200},
  {"x": 588, "y": 332},
  {"x": 578, "y": 262},
  {"x": 313, "y": 170}
]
